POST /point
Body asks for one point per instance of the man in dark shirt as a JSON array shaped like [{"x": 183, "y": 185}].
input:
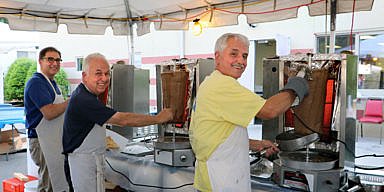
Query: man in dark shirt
[
  {"x": 84, "y": 136},
  {"x": 44, "y": 109}
]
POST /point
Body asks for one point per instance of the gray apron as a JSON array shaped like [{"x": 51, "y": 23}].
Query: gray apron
[
  {"x": 50, "y": 133},
  {"x": 87, "y": 162},
  {"x": 234, "y": 151}
]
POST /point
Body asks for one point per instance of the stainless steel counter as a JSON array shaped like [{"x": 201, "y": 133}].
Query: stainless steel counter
[{"x": 146, "y": 174}]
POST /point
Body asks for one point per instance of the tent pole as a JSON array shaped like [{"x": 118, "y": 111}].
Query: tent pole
[
  {"x": 182, "y": 44},
  {"x": 130, "y": 34},
  {"x": 326, "y": 28},
  {"x": 332, "y": 36}
]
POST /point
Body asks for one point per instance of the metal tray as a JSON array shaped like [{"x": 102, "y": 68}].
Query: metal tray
[
  {"x": 262, "y": 168},
  {"x": 318, "y": 159},
  {"x": 291, "y": 141}
]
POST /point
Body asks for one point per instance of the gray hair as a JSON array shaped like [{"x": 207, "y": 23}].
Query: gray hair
[
  {"x": 221, "y": 42},
  {"x": 89, "y": 58}
]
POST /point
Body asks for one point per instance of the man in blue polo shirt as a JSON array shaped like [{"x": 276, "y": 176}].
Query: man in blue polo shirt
[
  {"x": 44, "y": 107},
  {"x": 84, "y": 136}
]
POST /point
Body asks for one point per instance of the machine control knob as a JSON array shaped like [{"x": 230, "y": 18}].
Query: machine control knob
[{"x": 183, "y": 158}]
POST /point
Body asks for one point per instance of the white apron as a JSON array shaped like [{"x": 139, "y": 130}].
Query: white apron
[
  {"x": 87, "y": 162},
  {"x": 228, "y": 166},
  {"x": 50, "y": 134}
]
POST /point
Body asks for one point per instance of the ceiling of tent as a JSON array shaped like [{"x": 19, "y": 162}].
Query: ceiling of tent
[{"x": 93, "y": 16}]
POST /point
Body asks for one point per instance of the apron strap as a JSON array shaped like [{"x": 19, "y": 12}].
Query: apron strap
[{"x": 49, "y": 81}]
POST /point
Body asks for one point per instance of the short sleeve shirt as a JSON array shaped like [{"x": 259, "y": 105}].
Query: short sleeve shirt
[
  {"x": 83, "y": 112},
  {"x": 37, "y": 93},
  {"x": 221, "y": 105}
]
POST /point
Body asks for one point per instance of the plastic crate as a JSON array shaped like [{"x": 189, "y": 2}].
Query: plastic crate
[{"x": 15, "y": 185}]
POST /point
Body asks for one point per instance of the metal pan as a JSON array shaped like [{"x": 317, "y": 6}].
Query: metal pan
[
  {"x": 291, "y": 141},
  {"x": 316, "y": 159}
]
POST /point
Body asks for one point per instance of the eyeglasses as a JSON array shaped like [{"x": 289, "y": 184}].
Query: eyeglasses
[{"x": 51, "y": 59}]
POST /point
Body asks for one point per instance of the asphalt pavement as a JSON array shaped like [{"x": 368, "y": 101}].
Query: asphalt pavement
[{"x": 17, "y": 162}]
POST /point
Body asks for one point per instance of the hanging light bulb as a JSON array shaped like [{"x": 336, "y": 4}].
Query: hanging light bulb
[{"x": 197, "y": 28}]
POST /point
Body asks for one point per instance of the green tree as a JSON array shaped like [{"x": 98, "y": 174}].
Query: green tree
[
  {"x": 62, "y": 81},
  {"x": 14, "y": 81},
  {"x": 31, "y": 70}
]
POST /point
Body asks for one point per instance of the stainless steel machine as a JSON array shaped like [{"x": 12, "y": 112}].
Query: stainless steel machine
[
  {"x": 129, "y": 92},
  {"x": 177, "y": 83},
  {"x": 308, "y": 169},
  {"x": 310, "y": 158}
]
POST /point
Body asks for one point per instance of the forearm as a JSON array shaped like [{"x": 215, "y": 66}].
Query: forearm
[
  {"x": 283, "y": 101},
  {"x": 276, "y": 105},
  {"x": 133, "y": 119},
  {"x": 52, "y": 111}
]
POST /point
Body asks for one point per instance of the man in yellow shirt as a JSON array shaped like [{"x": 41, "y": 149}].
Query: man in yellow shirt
[{"x": 222, "y": 111}]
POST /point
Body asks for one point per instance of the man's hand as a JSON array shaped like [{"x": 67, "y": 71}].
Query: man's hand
[
  {"x": 298, "y": 85},
  {"x": 165, "y": 115},
  {"x": 260, "y": 145}
]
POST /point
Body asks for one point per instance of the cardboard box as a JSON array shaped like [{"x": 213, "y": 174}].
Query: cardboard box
[
  {"x": 15, "y": 185},
  {"x": 6, "y": 136},
  {"x": 20, "y": 143}
]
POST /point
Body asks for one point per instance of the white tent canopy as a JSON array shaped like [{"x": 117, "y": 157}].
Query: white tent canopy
[{"x": 93, "y": 16}]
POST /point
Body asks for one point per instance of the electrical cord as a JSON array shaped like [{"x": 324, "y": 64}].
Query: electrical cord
[
  {"x": 307, "y": 127},
  {"x": 369, "y": 168},
  {"x": 144, "y": 185},
  {"x": 345, "y": 145},
  {"x": 373, "y": 155}
]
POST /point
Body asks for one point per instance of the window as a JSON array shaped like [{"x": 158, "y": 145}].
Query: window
[
  {"x": 371, "y": 61},
  {"x": 22, "y": 54},
  {"x": 3, "y": 20},
  {"x": 79, "y": 63},
  {"x": 342, "y": 43},
  {"x": 371, "y": 57},
  {"x": 26, "y": 54}
]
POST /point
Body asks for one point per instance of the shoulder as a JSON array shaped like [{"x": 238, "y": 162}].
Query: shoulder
[
  {"x": 36, "y": 82},
  {"x": 36, "y": 78},
  {"x": 219, "y": 82},
  {"x": 219, "y": 77},
  {"x": 81, "y": 96}
]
